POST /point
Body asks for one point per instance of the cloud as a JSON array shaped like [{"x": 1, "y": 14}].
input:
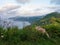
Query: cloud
[
  {"x": 38, "y": 10},
  {"x": 55, "y": 8},
  {"x": 35, "y": 12},
  {"x": 15, "y": 10},
  {"x": 22, "y": 1},
  {"x": 55, "y": 2},
  {"x": 7, "y": 10},
  {"x": 8, "y": 7}
]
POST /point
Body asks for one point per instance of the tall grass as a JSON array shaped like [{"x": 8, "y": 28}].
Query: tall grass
[{"x": 27, "y": 36}]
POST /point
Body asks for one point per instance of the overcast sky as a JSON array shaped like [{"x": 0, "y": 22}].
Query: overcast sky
[{"x": 28, "y": 7}]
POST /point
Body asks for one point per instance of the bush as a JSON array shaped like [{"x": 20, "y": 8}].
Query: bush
[
  {"x": 26, "y": 36},
  {"x": 53, "y": 30}
]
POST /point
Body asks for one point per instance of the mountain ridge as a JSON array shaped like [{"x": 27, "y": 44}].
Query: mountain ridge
[
  {"x": 29, "y": 19},
  {"x": 49, "y": 19}
]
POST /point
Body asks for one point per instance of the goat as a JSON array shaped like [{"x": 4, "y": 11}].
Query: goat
[{"x": 42, "y": 30}]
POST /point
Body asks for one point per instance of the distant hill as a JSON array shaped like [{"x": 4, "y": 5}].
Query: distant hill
[
  {"x": 49, "y": 19},
  {"x": 54, "y": 14},
  {"x": 29, "y": 19}
]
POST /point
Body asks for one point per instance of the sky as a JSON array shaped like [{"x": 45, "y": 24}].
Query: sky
[{"x": 11, "y": 8}]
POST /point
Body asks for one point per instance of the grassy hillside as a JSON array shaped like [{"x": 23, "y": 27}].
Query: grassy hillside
[
  {"x": 30, "y": 36},
  {"x": 27, "y": 36},
  {"x": 49, "y": 19}
]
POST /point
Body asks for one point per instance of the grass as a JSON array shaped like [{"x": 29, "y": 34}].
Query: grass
[{"x": 26, "y": 36}]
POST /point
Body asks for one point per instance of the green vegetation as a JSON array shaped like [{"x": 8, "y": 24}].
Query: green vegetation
[
  {"x": 49, "y": 19},
  {"x": 30, "y": 36}
]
